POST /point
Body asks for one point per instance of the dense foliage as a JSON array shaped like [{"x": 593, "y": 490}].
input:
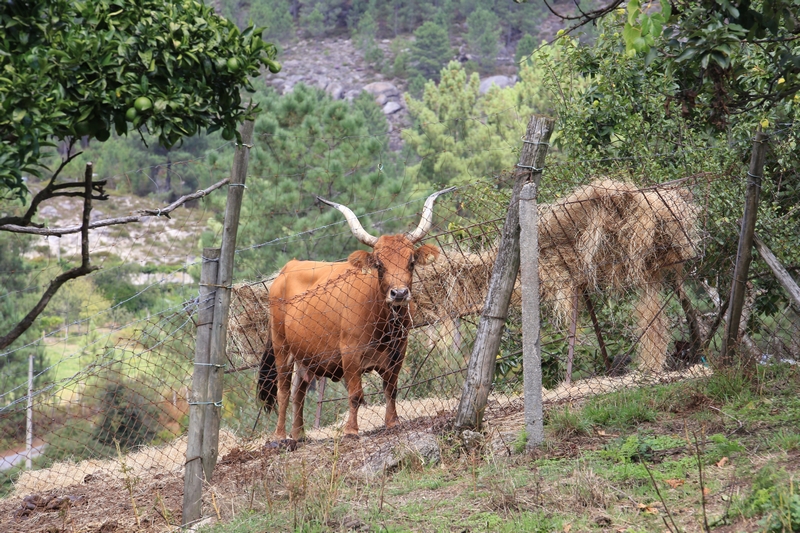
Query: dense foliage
[
  {"x": 72, "y": 69},
  {"x": 318, "y": 18}
]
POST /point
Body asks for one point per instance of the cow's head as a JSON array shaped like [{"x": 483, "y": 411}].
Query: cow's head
[{"x": 393, "y": 257}]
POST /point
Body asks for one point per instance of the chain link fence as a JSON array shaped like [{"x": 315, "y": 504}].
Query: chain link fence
[{"x": 635, "y": 277}]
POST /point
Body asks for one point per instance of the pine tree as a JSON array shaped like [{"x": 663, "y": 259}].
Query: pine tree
[
  {"x": 321, "y": 17},
  {"x": 308, "y": 145},
  {"x": 483, "y": 37},
  {"x": 461, "y": 135},
  {"x": 364, "y": 38},
  {"x": 431, "y": 50},
  {"x": 525, "y": 48},
  {"x": 314, "y": 23},
  {"x": 275, "y": 16}
]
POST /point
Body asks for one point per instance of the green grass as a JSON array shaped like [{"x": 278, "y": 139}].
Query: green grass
[
  {"x": 565, "y": 423},
  {"x": 622, "y": 410}
]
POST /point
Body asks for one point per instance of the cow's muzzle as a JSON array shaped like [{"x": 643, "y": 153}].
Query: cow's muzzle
[{"x": 399, "y": 296}]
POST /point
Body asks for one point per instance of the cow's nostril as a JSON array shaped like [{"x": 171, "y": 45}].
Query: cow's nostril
[{"x": 398, "y": 294}]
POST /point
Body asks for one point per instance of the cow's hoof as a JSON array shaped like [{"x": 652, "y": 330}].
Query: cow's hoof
[{"x": 353, "y": 436}]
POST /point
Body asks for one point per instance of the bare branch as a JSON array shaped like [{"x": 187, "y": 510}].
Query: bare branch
[
  {"x": 143, "y": 215},
  {"x": 87, "y": 210},
  {"x": 586, "y": 17},
  {"x": 73, "y": 273},
  {"x": 41, "y": 196}
]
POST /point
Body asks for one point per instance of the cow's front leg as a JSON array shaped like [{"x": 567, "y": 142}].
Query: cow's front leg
[
  {"x": 352, "y": 377},
  {"x": 390, "y": 393}
]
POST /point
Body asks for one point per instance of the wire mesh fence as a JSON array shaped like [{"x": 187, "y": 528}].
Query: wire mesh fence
[{"x": 634, "y": 274}]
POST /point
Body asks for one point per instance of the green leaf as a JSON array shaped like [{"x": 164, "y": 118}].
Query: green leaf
[
  {"x": 651, "y": 55},
  {"x": 647, "y": 25},
  {"x": 19, "y": 115},
  {"x": 724, "y": 48},
  {"x": 687, "y": 54},
  {"x": 630, "y": 34},
  {"x": 721, "y": 60},
  {"x": 146, "y": 56},
  {"x": 658, "y": 27}
]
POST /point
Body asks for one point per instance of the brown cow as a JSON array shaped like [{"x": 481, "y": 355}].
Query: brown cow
[{"x": 339, "y": 320}]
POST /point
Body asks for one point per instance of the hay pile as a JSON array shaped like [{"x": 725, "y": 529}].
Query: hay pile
[
  {"x": 248, "y": 326},
  {"x": 454, "y": 285},
  {"x": 610, "y": 235}
]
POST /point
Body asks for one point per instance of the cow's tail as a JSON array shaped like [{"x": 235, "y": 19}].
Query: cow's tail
[{"x": 267, "y": 387}]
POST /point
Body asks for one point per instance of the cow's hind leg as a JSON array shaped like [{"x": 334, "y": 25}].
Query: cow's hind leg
[{"x": 284, "y": 364}]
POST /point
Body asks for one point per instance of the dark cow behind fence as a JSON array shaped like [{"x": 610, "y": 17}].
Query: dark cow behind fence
[{"x": 340, "y": 320}]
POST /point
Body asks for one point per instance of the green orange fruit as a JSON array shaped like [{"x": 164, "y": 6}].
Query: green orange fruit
[
  {"x": 142, "y": 103},
  {"x": 273, "y": 66}
]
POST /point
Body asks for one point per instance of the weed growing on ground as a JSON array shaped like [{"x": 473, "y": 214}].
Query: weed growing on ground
[
  {"x": 520, "y": 443},
  {"x": 721, "y": 446},
  {"x": 622, "y": 410},
  {"x": 786, "y": 440},
  {"x": 130, "y": 481},
  {"x": 728, "y": 385},
  {"x": 564, "y": 424}
]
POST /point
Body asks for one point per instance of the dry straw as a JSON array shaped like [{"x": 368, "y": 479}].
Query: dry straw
[{"x": 611, "y": 236}]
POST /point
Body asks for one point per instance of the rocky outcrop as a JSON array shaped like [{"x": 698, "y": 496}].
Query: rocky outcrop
[
  {"x": 499, "y": 81},
  {"x": 415, "y": 448},
  {"x": 337, "y": 67}
]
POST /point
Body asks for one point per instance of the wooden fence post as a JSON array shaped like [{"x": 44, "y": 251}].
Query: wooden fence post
[
  {"x": 222, "y": 300},
  {"x": 780, "y": 272},
  {"x": 744, "y": 253},
  {"x": 193, "y": 472},
  {"x": 480, "y": 372}
]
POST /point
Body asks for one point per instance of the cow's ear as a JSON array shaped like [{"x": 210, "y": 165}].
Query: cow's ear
[
  {"x": 426, "y": 254},
  {"x": 360, "y": 259}
]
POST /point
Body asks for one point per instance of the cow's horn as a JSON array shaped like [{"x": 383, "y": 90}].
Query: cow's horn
[
  {"x": 427, "y": 216},
  {"x": 352, "y": 220}
]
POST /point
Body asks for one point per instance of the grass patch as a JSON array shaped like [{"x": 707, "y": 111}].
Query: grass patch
[
  {"x": 785, "y": 440},
  {"x": 620, "y": 410},
  {"x": 564, "y": 423}
]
